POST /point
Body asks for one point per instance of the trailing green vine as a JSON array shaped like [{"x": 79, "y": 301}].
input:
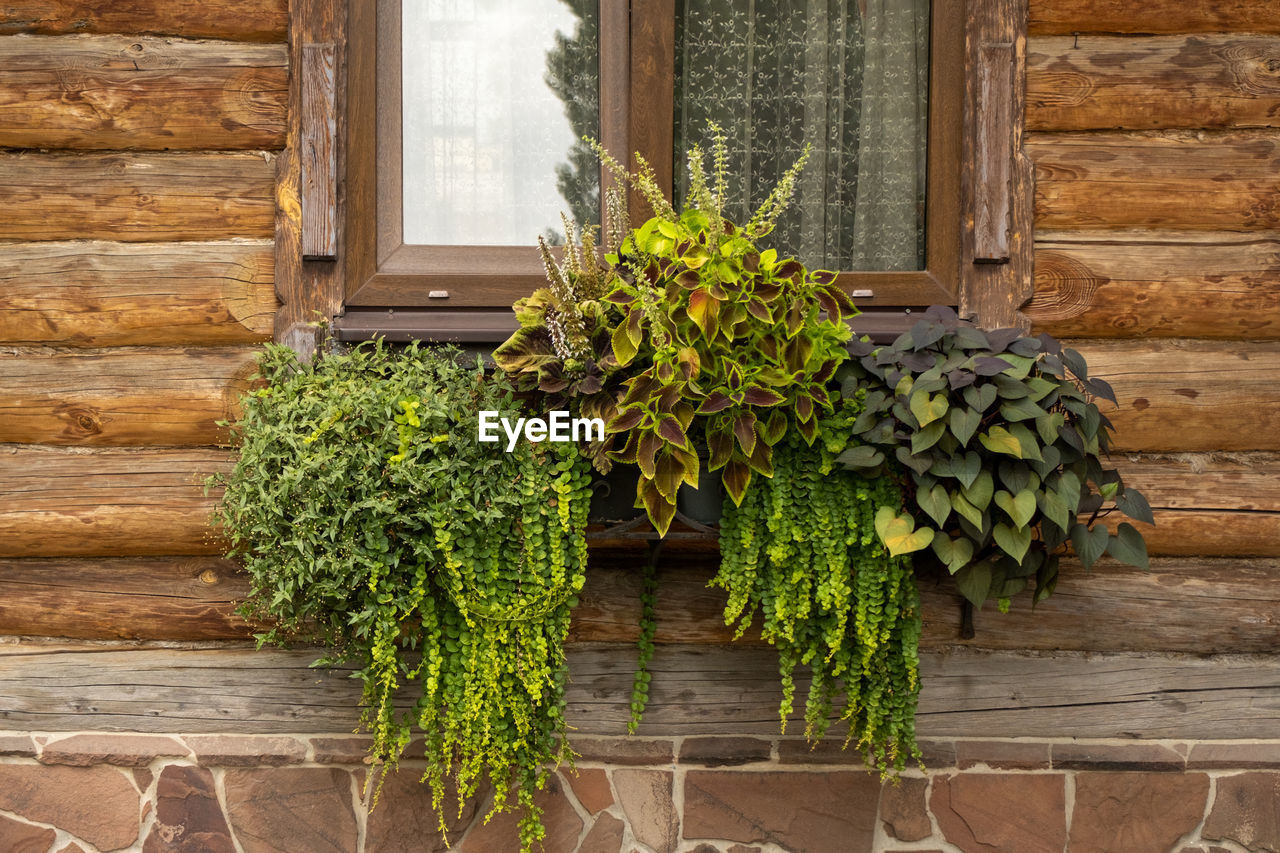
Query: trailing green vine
[
  {"x": 801, "y": 551},
  {"x": 648, "y": 628},
  {"x": 372, "y": 521}
]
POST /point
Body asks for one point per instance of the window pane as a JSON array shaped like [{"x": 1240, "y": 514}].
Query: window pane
[
  {"x": 849, "y": 77},
  {"x": 497, "y": 96}
]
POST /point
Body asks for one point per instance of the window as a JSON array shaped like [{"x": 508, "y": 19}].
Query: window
[{"x": 459, "y": 152}]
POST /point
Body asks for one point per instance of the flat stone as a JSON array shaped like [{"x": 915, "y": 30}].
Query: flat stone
[
  {"x": 98, "y": 804},
  {"x": 605, "y": 836},
  {"x": 1136, "y": 756},
  {"x": 246, "y": 750},
  {"x": 591, "y": 786},
  {"x": 143, "y": 778},
  {"x": 189, "y": 818},
  {"x": 502, "y": 835},
  {"x": 340, "y": 750},
  {"x": 740, "y": 848},
  {"x": 19, "y": 837},
  {"x": 121, "y": 750},
  {"x": 993, "y": 812},
  {"x": 1135, "y": 812},
  {"x": 17, "y": 745},
  {"x": 72, "y": 847},
  {"x": 1002, "y": 754},
  {"x": 624, "y": 751},
  {"x": 724, "y": 751},
  {"x": 1246, "y": 810},
  {"x": 403, "y": 820},
  {"x": 1234, "y": 756},
  {"x": 646, "y": 798},
  {"x": 291, "y": 810},
  {"x": 903, "y": 811},
  {"x": 816, "y": 812}
]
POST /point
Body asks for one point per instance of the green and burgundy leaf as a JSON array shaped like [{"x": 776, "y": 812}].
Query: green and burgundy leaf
[
  {"x": 736, "y": 478},
  {"x": 671, "y": 431},
  {"x": 757, "y": 395},
  {"x": 720, "y": 445},
  {"x": 744, "y": 431}
]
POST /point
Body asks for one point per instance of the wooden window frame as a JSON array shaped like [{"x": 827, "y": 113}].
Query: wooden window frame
[{"x": 375, "y": 284}]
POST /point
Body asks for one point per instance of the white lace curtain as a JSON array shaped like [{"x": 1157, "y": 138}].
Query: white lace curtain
[{"x": 849, "y": 77}]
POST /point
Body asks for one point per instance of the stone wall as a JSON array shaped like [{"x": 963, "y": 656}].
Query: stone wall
[{"x": 94, "y": 792}]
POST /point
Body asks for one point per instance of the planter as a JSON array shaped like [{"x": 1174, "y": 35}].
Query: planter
[
  {"x": 704, "y": 504},
  {"x": 613, "y": 495}
]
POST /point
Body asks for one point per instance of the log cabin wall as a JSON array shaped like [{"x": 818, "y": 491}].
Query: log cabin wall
[{"x": 145, "y": 173}]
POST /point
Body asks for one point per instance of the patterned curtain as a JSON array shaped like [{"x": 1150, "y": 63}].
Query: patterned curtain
[{"x": 849, "y": 77}]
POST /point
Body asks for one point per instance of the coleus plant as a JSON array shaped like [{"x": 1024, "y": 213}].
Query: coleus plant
[
  {"x": 563, "y": 350},
  {"x": 1002, "y": 439},
  {"x": 736, "y": 344}
]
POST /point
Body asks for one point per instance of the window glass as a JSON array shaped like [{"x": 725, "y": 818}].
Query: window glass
[
  {"x": 849, "y": 77},
  {"x": 496, "y": 97}
]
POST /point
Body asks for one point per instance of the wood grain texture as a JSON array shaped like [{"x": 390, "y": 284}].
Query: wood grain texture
[
  {"x": 1156, "y": 284},
  {"x": 1107, "y": 82},
  {"x": 113, "y": 92},
  {"x": 1179, "y": 180},
  {"x": 993, "y": 178},
  {"x": 1183, "y": 395},
  {"x": 121, "y": 396},
  {"x": 319, "y": 151},
  {"x": 107, "y": 502},
  {"x": 136, "y": 197},
  {"x": 1193, "y": 605},
  {"x": 123, "y": 598},
  {"x": 311, "y": 291},
  {"x": 1064, "y": 17},
  {"x": 997, "y": 177},
  {"x": 245, "y": 20},
  {"x": 1207, "y": 504},
  {"x": 99, "y": 294},
  {"x": 695, "y": 690}
]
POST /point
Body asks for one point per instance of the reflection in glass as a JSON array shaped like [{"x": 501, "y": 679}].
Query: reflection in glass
[
  {"x": 496, "y": 97},
  {"x": 849, "y": 77}
]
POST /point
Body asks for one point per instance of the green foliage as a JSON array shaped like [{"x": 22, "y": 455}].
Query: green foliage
[
  {"x": 372, "y": 521},
  {"x": 648, "y": 627},
  {"x": 720, "y": 341},
  {"x": 801, "y": 551},
  {"x": 562, "y": 353},
  {"x": 1002, "y": 439}
]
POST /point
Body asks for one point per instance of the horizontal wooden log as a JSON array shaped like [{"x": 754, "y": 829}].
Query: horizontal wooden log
[
  {"x": 156, "y": 598},
  {"x": 1182, "y": 395},
  {"x": 1191, "y": 481},
  {"x": 1107, "y": 82},
  {"x": 1174, "y": 179},
  {"x": 1181, "y": 605},
  {"x": 245, "y": 20},
  {"x": 1064, "y": 17},
  {"x": 108, "y": 502},
  {"x": 141, "y": 93},
  {"x": 695, "y": 690},
  {"x": 136, "y": 197},
  {"x": 1134, "y": 284},
  {"x": 136, "y": 294},
  {"x": 1219, "y": 533},
  {"x": 121, "y": 396}
]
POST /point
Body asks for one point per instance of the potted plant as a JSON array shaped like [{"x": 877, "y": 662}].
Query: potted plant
[
  {"x": 1001, "y": 440},
  {"x": 373, "y": 523}
]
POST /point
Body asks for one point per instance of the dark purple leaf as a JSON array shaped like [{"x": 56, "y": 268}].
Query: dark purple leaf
[
  {"x": 999, "y": 339},
  {"x": 988, "y": 366}
]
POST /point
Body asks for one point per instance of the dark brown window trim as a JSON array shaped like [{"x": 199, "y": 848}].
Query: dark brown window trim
[{"x": 381, "y": 270}]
